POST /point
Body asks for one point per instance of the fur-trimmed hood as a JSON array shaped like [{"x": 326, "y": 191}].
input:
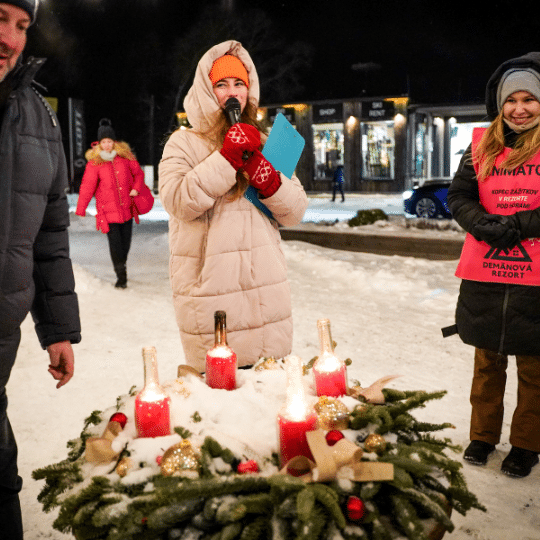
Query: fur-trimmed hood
[
  {"x": 122, "y": 149},
  {"x": 200, "y": 103}
]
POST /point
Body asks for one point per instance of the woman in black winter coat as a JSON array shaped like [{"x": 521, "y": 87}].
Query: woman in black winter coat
[{"x": 495, "y": 197}]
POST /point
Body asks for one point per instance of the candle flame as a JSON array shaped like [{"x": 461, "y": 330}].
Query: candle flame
[
  {"x": 221, "y": 351},
  {"x": 151, "y": 395},
  {"x": 296, "y": 408},
  {"x": 328, "y": 363}
]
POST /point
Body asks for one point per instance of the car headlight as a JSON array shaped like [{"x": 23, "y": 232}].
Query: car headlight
[{"x": 407, "y": 194}]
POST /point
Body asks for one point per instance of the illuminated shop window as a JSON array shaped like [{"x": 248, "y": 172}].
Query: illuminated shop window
[
  {"x": 460, "y": 139},
  {"x": 328, "y": 149},
  {"x": 378, "y": 144},
  {"x": 420, "y": 162}
]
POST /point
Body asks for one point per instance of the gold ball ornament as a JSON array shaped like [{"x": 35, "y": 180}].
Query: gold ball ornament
[
  {"x": 331, "y": 413},
  {"x": 267, "y": 363},
  {"x": 179, "y": 459},
  {"x": 179, "y": 388},
  {"x": 123, "y": 466},
  {"x": 375, "y": 443}
]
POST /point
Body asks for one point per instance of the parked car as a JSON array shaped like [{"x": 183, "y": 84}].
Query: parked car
[{"x": 428, "y": 200}]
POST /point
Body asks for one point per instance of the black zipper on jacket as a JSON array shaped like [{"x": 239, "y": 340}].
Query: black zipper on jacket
[{"x": 503, "y": 325}]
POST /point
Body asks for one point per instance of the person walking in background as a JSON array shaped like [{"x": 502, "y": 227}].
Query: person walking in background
[
  {"x": 36, "y": 273},
  {"x": 115, "y": 177},
  {"x": 337, "y": 183},
  {"x": 495, "y": 197},
  {"x": 225, "y": 252}
]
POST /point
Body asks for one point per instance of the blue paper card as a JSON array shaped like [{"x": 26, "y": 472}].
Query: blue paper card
[{"x": 284, "y": 146}]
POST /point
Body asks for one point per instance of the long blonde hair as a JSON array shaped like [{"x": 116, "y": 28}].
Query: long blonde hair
[
  {"x": 122, "y": 149},
  {"x": 492, "y": 144},
  {"x": 216, "y": 135}
]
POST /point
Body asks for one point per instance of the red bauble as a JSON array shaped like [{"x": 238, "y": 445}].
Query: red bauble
[
  {"x": 119, "y": 417},
  {"x": 355, "y": 508},
  {"x": 332, "y": 437},
  {"x": 248, "y": 467}
]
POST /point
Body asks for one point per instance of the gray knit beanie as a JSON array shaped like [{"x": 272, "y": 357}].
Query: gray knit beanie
[
  {"x": 515, "y": 80},
  {"x": 31, "y": 6}
]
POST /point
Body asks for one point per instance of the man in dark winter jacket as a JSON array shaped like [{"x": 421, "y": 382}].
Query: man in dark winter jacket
[{"x": 36, "y": 274}]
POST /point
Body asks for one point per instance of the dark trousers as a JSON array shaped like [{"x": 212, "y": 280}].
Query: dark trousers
[
  {"x": 337, "y": 187},
  {"x": 10, "y": 481},
  {"x": 487, "y": 400},
  {"x": 119, "y": 237}
]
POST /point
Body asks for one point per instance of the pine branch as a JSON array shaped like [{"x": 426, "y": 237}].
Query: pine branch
[
  {"x": 288, "y": 508},
  {"x": 58, "y": 478},
  {"x": 354, "y": 532},
  {"x": 98, "y": 487},
  {"x": 312, "y": 529},
  {"x": 172, "y": 515},
  {"x": 231, "y": 531},
  {"x": 257, "y": 529},
  {"x": 412, "y": 466},
  {"x": 407, "y": 518},
  {"x": 305, "y": 504},
  {"x": 177, "y": 490},
  {"x": 228, "y": 506},
  {"x": 328, "y": 498},
  {"x": 436, "y": 507}
]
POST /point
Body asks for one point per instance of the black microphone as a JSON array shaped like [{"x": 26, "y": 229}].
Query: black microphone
[{"x": 233, "y": 111}]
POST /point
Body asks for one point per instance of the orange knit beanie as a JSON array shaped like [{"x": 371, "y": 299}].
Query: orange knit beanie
[{"x": 228, "y": 66}]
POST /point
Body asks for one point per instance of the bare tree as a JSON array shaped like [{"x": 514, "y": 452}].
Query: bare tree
[
  {"x": 133, "y": 60},
  {"x": 280, "y": 64}
]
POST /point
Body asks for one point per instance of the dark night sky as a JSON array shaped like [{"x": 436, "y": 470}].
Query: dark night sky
[
  {"x": 436, "y": 52},
  {"x": 439, "y": 51}
]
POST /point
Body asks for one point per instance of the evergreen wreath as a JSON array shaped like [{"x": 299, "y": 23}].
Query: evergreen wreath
[{"x": 226, "y": 505}]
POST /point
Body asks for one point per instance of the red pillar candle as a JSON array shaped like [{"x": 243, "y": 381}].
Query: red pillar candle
[
  {"x": 152, "y": 405},
  {"x": 292, "y": 437},
  {"x": 296, "y": 418},
  {"x": 331, "y": 383},
  {"x": 329, "y": 371},
  {"x": 221, "y": 362},
  {"x": 153, "y": 417},
  {"x": 221, "y": 368}
]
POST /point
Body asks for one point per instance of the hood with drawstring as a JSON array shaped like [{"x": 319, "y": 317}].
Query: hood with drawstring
[{"x": 200, "y": 103}]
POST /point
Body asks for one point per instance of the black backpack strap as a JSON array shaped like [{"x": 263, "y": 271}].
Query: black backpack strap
[{"x": 449, "y": 330}]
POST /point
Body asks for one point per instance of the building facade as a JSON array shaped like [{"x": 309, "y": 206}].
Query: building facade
[
  {"x": 438, "y": 137},
  {"x": 386, "y": 144},
  {"x": 367, "y": 136}
]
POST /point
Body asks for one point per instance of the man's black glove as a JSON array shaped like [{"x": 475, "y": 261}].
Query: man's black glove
[{"x": 498, "y": 231}]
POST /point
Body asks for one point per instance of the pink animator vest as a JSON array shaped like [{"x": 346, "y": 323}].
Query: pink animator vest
[{"x": 505, "y": 193}]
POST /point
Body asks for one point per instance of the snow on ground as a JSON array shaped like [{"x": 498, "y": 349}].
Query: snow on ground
[{"x": 386, "y": 314}]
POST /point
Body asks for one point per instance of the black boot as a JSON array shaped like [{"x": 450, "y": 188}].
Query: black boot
[
  {"x": 477, "y": 452},
  {"x": 519, "y": 462},
  {"x": 121, "y": 274}
]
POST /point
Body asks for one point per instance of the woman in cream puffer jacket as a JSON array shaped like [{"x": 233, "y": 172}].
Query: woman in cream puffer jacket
[{"x": 225, "y": 253}]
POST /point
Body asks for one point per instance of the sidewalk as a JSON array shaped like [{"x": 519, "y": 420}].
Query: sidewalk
[
  {"x": 321, "y": 207},
  {"x": 394, "y": 240}
]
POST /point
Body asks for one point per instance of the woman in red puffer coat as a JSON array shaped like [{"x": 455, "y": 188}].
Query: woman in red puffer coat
[{"x": 114, "y": 176}]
